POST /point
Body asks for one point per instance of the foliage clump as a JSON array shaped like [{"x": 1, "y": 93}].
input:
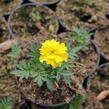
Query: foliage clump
[
  {"x": 47, "y": 64},
  {"x": 81, "y": 37},
  {"x": 77, "y": 102},
  {"x": 6, "y": 103}
]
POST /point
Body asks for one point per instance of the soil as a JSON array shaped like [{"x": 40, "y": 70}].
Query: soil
[
  {"x": 3, "y": 30},
  {"x": 23, "y": 23},
  {"x": 102, "y": 40},
  {"x": 100, "y": 83},
  {"x": 85, "y": 62},
  {"x": 6, "y": 6},
  {"x": 74, "y": 13},
  {"x": 8, "y": 85},
  {"x": 44, "y": 96},
  {"x": 92, "y": 102}
]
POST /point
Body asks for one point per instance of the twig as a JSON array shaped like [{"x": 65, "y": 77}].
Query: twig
[
  {"x": 103, "y": 95},
  {"x": 7, "y": 45}
]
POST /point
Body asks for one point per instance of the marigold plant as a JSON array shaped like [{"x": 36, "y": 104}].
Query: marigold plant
[{"x": 49, "y": 63}]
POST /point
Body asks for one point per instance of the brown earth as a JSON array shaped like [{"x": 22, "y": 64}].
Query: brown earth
[
  {"x": 24, "y": 25},
  {"x": 6, "y": 6},
  {"x": 102, "y": 40},
  {"x": 100, "y": 82},
  {"x": 72, "y": 13},
  {"x": 8, "y": 85},
  {"x": 3, "y": 30}
]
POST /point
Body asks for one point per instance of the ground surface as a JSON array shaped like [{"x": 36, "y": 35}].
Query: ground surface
[{"x": 71, "y": 13}]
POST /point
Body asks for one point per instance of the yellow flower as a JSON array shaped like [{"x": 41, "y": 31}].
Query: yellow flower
[{"x": 53, "y": 53}]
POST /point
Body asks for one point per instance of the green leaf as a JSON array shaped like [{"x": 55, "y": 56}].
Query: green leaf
[
  {"x": 7, "y": 100},
  {"x": 49, "y": 85},
  {"x": 39, "y": 81},
  {"x": 66, "y": 72},
  {"x": 67, "y": 79},
  {"x": 68, "y": 45},
  {"x": 15, "y": 53},
  {"x": 86, "y": 2},
  {"x": 26, "y": 66},
  {"x": 69, "y": 38},
  {"x": 58, "y": 76},
  {"x": 35, "y": 54},
  {"x": 74, "y": 50},
  {"x": 2, "y": 106},
  {"x": 79, "y": 99},
  {"x": 81, "y": 37},
  {"x": 71, "y": 107},
  {"x": 35, "y": 16},
  {"x": 6, "y": 103},
  {"x": 23, "y": 74},
  {"x": 77, "y": 102}
]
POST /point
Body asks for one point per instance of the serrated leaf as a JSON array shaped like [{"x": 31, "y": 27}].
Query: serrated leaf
[
  {"x": 79, "y": 99},
  {"x": 68, "y": 45},
  {"x": 77, "y": 102},
  {"x": 81, "y": 37},
  {"x": 7, "y": 100},
  {"x": 6, "y": 103},
  {"x": 23, "y": 74},
  {"x": 39, "y": 81},
  {"x": 34, "y": 53},
  {"x": 67, "y": 79},
  {"x": 75, "y": 49},
  {"x": 49, "y": 85},
  {"x": 16, "y": 49}
]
